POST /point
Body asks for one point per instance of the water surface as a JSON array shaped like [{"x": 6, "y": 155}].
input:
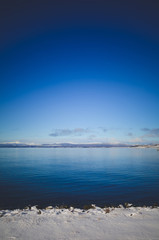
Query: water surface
[{"x": 78, "y": 176}]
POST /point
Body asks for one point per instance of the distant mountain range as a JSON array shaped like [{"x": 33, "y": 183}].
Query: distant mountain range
[{"x": 74, "y": 145}]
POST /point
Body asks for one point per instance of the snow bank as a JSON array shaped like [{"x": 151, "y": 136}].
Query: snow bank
[{"x": 132, "y": 223}]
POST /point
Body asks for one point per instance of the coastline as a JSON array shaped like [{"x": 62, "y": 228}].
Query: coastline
[
  {"x": 76, "y": 145},
  {"x": 96, "y": 223}
]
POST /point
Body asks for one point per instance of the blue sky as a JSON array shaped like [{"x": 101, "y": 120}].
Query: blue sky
[{"x": 84, "y": 71}]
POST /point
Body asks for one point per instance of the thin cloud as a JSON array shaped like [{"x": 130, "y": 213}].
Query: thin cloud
[
  {"x": 60, "y": 132},
  {"x": 103, "y": 129},
  {"x": 145, "y": 129},
  {"x": 130, "y": 134},
  {"x": 136, "y": 140},
  {"x": 69, "y": 132},
  {"x": 154, "y": 132},
  {"x": 92, "y": 136}
]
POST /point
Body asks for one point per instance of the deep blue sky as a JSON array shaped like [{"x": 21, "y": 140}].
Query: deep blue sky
[{"x": 79, "y": 71}]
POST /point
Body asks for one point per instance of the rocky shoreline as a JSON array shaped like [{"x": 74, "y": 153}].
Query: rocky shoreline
[{"x": 122, "y": 222}]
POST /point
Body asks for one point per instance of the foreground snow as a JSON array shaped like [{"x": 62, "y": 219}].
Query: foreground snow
[{"x": 70, "y": 224}]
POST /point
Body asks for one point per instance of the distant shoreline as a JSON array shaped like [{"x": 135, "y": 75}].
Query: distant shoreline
[{"x": 73, "y": 145}]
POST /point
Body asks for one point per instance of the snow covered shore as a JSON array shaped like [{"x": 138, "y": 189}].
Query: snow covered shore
[{"x": 133, "y": 223}]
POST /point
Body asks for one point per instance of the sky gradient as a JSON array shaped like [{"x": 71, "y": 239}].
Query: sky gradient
[{"x": 79, "y": 71}]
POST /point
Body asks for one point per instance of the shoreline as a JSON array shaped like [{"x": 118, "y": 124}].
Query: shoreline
[
  {"x": 74, "y": 145},
  {"x": 84, "y": 207},
  {"x": 138, "y": 223}
]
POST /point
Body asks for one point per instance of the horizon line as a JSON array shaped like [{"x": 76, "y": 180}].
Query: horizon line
[{"x": 72, "y": 145}]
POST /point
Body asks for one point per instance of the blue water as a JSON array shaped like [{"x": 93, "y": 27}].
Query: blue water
[{"x": 104, "y": 176}]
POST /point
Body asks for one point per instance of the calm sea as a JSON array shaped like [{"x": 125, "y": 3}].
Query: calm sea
[{"x": 104, "y": 176}]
